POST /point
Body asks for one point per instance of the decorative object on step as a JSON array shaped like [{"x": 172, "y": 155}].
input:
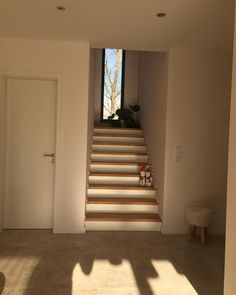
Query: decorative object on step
[
  {"x": 198, "y": 217},
  {"x": 126, "y": 118},
  {"x": 142, "y": 179},
  {"x": 148, "y": 176},
  {"x": 145, "y": 178}
]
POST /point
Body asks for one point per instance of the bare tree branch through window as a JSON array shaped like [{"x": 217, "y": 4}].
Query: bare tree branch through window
[{"x": 112, "y": 87}]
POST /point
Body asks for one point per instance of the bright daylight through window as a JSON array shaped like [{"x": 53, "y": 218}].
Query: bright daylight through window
[{"x": 112, "y": 81}]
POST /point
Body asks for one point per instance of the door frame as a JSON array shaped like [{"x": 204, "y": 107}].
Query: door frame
[{"x": 58, "y": 78}]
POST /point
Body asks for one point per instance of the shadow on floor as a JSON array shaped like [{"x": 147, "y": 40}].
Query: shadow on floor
[
  {"x": 67, "y": 270},
  {"x": 2, "y": 282},
  {"x": 111, "y": 263}
]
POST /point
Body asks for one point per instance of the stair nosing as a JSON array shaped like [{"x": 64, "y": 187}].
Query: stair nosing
[
  {"x": 117, "y": 163},
  {"x": 119, "y": 153},
  {"x": 122, "y": 201},
  {"x": 120, "y": 144},
  {"x": 132, "y": 217},
  {"x": 117, "y": 187},
  {"x": 114, "y": 174},
  {"x": 118, "y": 128},
  {"x": 118, "y": 135}
]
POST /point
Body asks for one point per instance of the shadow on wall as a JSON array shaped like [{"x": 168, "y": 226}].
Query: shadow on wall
[{"x": 107, "y": 263}]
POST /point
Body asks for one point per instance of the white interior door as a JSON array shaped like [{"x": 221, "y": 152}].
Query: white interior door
[{"x": 30, "y": 133}]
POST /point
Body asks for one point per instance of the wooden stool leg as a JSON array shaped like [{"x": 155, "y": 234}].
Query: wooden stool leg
[
  {"x": 203, "y": 236},
  {"x": 206, "y": 233},
  {"x": 192, "y": 231}
]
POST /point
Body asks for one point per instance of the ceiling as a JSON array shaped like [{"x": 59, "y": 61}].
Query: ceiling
[{"x": 130, "y": 24}]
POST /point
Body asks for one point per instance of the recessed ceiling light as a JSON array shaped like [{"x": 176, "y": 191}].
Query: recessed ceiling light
[
  {"x": 161, "y": 14},
  {"x": 60, "y": 8}
]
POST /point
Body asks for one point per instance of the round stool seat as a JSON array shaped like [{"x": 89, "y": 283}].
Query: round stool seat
[{"x": 198, "y": 216}]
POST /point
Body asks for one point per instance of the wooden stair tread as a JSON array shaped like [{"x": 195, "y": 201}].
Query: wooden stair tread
[
  {"x": 119, "y": 153},
  {"x": 123, "y": 217},
  {"x": 117, "y": 135},
  {"x": 125, "y": 201},
  {"x": 117, "y": 163},
  {"x": 115, "y": 174},
  {"x": 118, "y": 128},
  {"x": 121, "y": 187},
  {"x": 120, "y": 144}
]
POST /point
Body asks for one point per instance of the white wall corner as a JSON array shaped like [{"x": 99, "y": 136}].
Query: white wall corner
[{"x": 2, "y": 148}]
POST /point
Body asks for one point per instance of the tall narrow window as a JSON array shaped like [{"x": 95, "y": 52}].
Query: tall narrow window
[{"x": 112, "y": 82}]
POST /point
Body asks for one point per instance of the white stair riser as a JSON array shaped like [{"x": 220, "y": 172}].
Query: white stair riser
[
  {"x": 121, "y": 208},
  {"x": 119, "y": 158},
  {"x": 134, "y": 140},
  {"x": 117, "y": 131},
  {"x": 116, "y": 180},
  {"x": 119, "y": 148},
  {"x": 115, "y": 168},
  {"x": 123, "y": 225},
  {"x": 113, "y": 193},
  {"x": 114, "y": 150}
]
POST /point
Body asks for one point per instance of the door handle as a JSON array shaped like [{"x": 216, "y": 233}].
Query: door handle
[{"x": 50, "y": 156}]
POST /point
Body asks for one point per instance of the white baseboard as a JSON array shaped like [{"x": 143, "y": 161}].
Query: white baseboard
[
  {"x": 217, "y": 231},
  {"x": 69, "y": 230},
  {"x": 184, "y": 231},
  {"x": 174, "y": 231}
]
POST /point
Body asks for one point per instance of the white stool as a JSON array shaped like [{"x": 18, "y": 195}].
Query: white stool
[{"x": 198, "y": 217}]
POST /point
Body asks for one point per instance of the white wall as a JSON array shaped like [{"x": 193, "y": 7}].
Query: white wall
[
  {"x": 92, "y": 55},
  {"x": 97, "y": 84},
  {"x": 153, "y": 100},
  {"x": 197, "y": 120},
  {"x": 71, "y": 60},
  {"x": 131, "y": 77},
  {"x": 131, "y": 80},
  {"x": 185, "y": 100},
  {"x": 230, "y": 253}
]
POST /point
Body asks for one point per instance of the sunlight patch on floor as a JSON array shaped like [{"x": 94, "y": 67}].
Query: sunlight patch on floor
[
  {"x": 105, "y": 277},
  {"x": 103, "y": 274},
  {"x": 18, "y": 271},
  {"x": 169, "y": 280}
]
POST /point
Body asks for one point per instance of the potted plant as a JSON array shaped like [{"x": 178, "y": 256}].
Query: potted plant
[{"x": 125, "y": 116}]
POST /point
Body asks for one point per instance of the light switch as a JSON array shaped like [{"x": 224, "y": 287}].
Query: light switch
[{"x": 178, "y": 154}]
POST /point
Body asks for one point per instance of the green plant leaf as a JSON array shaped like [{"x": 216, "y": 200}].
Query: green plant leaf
[
  {"x": 135, "y": 108},
  {"x": 111, "y": 117}
]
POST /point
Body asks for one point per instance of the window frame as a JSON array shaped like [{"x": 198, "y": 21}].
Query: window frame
[{"x": 103, "y": 86}]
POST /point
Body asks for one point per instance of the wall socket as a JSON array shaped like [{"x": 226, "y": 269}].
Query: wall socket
[{"x": 178, "y": 154}]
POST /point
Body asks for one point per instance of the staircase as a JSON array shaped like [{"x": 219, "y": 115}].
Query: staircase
[{"x": 115, "y": 201}]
